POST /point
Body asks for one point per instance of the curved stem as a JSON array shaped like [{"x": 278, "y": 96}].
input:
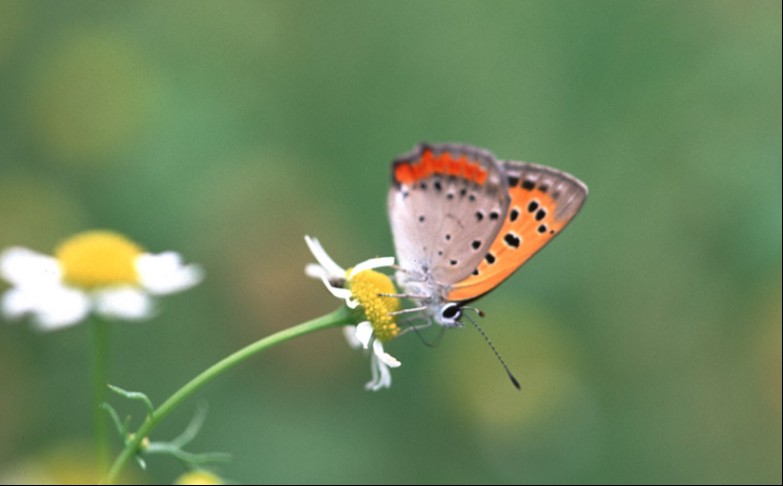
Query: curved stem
[
  {"x": 340, "y": 317},
  {"x": 100, "y": 331}
]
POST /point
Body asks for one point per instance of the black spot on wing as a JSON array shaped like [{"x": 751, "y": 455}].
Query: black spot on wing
[{"x": 512, "y": 240}]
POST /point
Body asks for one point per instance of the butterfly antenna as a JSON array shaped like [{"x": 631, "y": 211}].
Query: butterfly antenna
[
  {"x": 494, "y": 350},
  {"x": 478, "y": 311}
]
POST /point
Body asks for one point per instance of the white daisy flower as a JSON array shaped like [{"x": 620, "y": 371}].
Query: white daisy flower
[
  {"x": 95, "y": 271},
  {"x": 360, "y": 287}
]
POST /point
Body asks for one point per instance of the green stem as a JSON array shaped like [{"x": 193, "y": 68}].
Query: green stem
[
  {"x": 340, "y": 317},
  {"x": 100, "y": 331}
]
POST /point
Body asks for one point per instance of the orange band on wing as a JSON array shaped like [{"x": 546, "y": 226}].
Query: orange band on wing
[
  {"x": 438, "y": 163},
  {"x": 403, "y": 173},
  {"x": 470, "y": 170},
  {"x": 443, "y": 164},
  {"x": 481, "y": 176}
]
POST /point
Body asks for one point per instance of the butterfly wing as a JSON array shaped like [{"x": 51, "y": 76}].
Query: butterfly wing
[
  {"x": 543, "y": 201},
  {"x": 446, "y": 205}
]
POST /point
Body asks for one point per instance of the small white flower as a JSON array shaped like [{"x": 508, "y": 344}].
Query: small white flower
[
  {"x": 96, "y": 271},
  {"x": 360, "y": 287}
]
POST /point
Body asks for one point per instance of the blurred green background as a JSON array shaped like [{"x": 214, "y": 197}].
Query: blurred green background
[{"x": 647, "y": 339}]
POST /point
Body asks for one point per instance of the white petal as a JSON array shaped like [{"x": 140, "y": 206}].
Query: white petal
[
  {"x": 373, "y": 383},
  {"x": 332, "y": 268},
  {"x": 383, "y": 356},
  {"x": 62, "y": 308},
  {"x": 123, "y": 303},
  {"x": 363, "y": 334},
  {"x": 385, "y": 380},
  {"x": 15, "y": 303},
  {"x": 371, "y": 264},
  {"x": 338, "y": 292},
  {"x": 51, "y": 306},
  {"x": 313, "y": 270},
  {"x": 351, "y": 303},
  {"x": 350, "y": 335},
  {"x": 23, "y": 267},
  {"x": 165, "y": 273},
  {"x": 381, "y": 376}
]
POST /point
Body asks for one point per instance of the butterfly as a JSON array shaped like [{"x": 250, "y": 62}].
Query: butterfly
[{"x": 463, "y": 222}]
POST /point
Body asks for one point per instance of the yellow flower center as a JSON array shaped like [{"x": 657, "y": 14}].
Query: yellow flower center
[
  {"x": 98, "y": 259},
  {"x": 365, "y": 287}
]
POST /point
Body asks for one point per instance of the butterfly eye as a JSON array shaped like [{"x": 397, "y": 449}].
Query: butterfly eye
[{"x": 450, "y": 313}]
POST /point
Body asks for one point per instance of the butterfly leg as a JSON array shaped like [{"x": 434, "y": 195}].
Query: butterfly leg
[
  {"x": 398, "y": 268},
  {"x": 414, "y": 275},
  {"x": 404, "y": 296},
  {"x": 407, "y": 311},
  {"x": 407, "y": 324},
  {"x": 417, "y": 328}
]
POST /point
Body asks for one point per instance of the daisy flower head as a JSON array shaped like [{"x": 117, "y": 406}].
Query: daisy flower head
[
  {"x": 361, "y": 287},
  {"x": 95, "y": 271}
]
